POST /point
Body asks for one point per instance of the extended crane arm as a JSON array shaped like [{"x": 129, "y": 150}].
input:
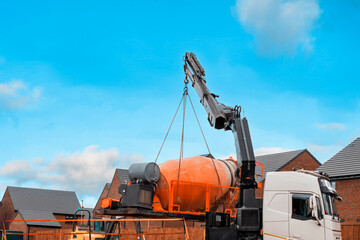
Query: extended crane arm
[
  {"x": 224, "y": 117},
  {"x": 220, "y": 116}
]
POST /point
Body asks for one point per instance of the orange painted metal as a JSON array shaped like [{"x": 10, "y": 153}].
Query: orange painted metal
[
  {"x": 259, "y": 184},
  {"x": 226, "y": 203},
  {"x": 108, "y": 202},
  {"x": 197, "y": 174}
]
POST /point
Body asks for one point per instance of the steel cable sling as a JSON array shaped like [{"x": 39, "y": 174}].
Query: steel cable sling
[{"x": 183, "y": 101}]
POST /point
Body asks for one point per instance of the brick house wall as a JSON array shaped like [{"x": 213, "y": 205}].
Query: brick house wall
[
  {"x": 63, "y": 224},
  {"x": 7, "y": 211},
  {"x": 103, "y": 194},
  {"x": 114, "y": 187},
  {"x": 23, "y": 227},
  {"x": 303, "y": 161},
  {"x": 19, "y": 226},
  {"x": 113, "y": 193},
  {"x": 349, "y": 191}
]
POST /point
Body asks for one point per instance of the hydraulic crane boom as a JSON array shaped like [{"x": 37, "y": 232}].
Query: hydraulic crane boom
[
  {"x": 221, "y": 116},
  {"x": 224, "y": 117}
]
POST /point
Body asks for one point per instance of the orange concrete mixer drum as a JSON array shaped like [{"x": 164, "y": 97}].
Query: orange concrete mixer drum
[{"x": 195, "y": 172}]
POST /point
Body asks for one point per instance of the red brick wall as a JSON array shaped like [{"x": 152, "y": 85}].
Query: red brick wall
[
  {"x": 114, "y": 188},
  {"x": 21, "y": 226},
  {"x": 98, "y": 204},
  {"x": 303, "y": 161},
  {"x": 62, "y": 217},
  {"x": 6, "y": 210},
  {"x": 112, "y": 193},
  {"x": 349, "y": 190}
]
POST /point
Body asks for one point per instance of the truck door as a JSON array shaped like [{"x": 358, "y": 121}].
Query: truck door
[{"x": 302, "y": 224}]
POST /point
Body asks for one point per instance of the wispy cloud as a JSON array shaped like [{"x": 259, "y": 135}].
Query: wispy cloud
[
  {"x": 11, "y": 88},
  {"x": 324, "y": 152},
  {"x": 270, "y": 150},
  {"x": 260, "y": 151},
  {"x": 16, "y": 95},
  {"x": 279, "y": 27},
  {"x": 331, "y": 126},
  {"x": 85, "y": 172},
  {"x": 319, "y": 148},
  {"x": 20, "y": 171}
]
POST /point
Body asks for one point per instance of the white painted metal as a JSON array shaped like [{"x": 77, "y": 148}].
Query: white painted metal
[{"x": 279, "y": 217}]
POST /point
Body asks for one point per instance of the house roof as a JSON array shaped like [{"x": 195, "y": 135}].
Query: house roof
[
  {"x": 123, "y": 175},
  {"x": 274, "y": 162},
  {"x": 39, "y": 215},
  {"x": 53, "y": 201},
  {"x": 345, "y": 163}
]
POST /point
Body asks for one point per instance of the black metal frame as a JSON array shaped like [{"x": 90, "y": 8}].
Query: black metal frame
[
  {"x": 221, "y": 116},
  {"x": 89, "y": 223}
]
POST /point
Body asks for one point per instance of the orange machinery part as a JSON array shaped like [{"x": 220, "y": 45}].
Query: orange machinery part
[
  {"x": 197, "y": 172},
  {"x": 108, "y": 202}
]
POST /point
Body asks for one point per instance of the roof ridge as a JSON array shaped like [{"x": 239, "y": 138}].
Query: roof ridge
[
  {"x": 281, "y": 152},
  {"x": 292, "y": 159},
  {"x": 43, "y": 189},
  {"x": 344, "y": 163},
  {"x": 43, "y": 200},
  {"x": 343, "y": 149}
]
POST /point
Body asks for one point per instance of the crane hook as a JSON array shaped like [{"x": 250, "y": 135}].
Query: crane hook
[{"x": 186, "y": 81}]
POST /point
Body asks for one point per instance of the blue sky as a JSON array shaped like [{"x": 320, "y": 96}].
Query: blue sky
[{"x": 89, "y": 86}]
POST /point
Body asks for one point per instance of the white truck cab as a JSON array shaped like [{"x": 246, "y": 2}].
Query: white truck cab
[{"x": 300, "y": 205}]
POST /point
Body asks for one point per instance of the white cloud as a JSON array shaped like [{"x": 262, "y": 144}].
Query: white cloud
[
  {"x": 331, "y": 126},
  {"x": 279, "y": 27},
  {"x": 324, "y": 152},
  {"x": 136, "y": 158},
  {"x": 260, "y": 151},
  {"x": 16, "y": 95},
  {"x": 271, "y": 150},
  {"x": 231, "y": 155},
  {"x": 11, "y": 88},
  {"x": 319, "y": 148},
  {"x": 84, "y": 172},
  {"x": 22, "y": 169}
]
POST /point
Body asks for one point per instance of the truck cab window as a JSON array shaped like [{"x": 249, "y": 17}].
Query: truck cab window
[
  {"x": 327, "y": 204},
  {"x": 301, "y": 206},
  {"x": 320, "y": 213}
]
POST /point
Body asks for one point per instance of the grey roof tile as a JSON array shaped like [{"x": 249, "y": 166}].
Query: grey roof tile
[
  {"x": 345, "y": 163},
  {"x": 123, "y": 175},
  {"x": 54, "y": 201},
  {"x": 274, "y": 162},
  {"x": 39, "y": 215}
]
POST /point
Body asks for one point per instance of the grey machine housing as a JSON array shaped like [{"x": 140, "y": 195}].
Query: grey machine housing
[{"x": 140, "y": 192}]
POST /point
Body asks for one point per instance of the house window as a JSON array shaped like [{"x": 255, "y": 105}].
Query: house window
[{"x": 301, "y": 206}]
